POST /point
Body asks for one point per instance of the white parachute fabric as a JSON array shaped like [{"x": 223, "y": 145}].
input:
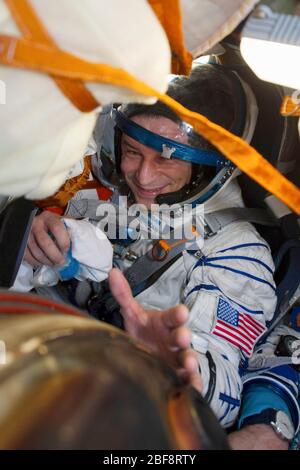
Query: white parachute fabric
[
  {"x": 206, "y": 22},
  {"x": 42, "y": 134}
]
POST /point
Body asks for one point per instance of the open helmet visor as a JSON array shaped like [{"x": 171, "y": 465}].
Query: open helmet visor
[{"x": 169, "y": 148}]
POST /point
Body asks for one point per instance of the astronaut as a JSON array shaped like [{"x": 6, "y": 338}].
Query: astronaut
[
  {"x": 226, "y": 279},
  {"x": 217, "y": 281}
]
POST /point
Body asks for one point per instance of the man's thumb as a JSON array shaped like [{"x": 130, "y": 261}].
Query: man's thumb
[{"x": 120, "y": 289}]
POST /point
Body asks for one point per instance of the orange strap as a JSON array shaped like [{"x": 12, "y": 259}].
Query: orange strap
[
  {"x": 170, "y": 17},
  {"x": 58, "y": 202},
  {"x": 69, "y": 188},
  {"x": 290, "y": 107},
  {"x": 166, "y": 248},
  {"x": 25, "y": 54},
  {"x": 32, "y": 28}
]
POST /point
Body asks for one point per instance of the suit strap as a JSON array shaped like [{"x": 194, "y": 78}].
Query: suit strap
[{"x": 33, "y": 30}]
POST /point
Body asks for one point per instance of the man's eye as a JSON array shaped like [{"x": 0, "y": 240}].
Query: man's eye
[
  {"x": 165, "y": 161},
  {"x": 132, "y": 153}
]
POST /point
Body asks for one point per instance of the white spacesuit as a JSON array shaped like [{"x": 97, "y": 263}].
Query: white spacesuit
[{"x": 230, "y": 293}]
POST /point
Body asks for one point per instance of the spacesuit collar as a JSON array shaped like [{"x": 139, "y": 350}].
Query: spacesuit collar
[{"x": 229, "y": 196}]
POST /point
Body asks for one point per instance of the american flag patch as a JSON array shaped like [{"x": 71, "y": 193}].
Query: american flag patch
[{"x": 239, "y": 328}]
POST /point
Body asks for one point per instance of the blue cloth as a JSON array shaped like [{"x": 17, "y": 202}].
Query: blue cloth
[
  {"x": 257, "y": 398},
  {"x": 70, "y": 269}
]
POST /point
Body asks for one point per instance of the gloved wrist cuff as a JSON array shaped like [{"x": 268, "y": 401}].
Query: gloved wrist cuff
[{"x": 275, "y": 392}]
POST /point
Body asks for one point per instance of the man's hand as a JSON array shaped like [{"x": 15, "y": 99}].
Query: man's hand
[
  {"x": 43, "y": 249},
  {"x": 163, "y": 331},
  {"x": 256, "y": 437}
]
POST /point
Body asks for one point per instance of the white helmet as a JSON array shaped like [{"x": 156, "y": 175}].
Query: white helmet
[{"x": 212, "y": 90}]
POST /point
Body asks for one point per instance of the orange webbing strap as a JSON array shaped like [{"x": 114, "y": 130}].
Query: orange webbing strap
[
  {"x": 170, "y": 17},
  {"x": 25, "y": 54},
  {"x": 68, "y": 189},
  {"x": 33, "y": 29},
  {"x": 290, "y": 107},
  {"x": 58, "y": 202}
]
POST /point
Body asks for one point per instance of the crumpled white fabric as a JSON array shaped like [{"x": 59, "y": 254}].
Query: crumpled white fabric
[
  {"x": 23, "y": 281},
  {"x": 90, "y": 247},
  {"x": 42, "y": 133}
]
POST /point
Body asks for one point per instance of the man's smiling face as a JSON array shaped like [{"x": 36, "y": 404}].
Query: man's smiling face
[{"x": 146, "y": 172}]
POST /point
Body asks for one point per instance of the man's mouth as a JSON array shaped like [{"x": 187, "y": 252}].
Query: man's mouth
[{"x": 149, "y": 192}]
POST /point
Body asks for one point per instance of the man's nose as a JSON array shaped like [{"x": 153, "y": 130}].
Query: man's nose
[{"x": 146, "y": 172}]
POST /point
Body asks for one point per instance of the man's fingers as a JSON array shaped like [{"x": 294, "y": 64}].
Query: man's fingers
[
  {"x": 30, "y": 259},
  {"x": 42, "y": 249},
  {"x": 179, "y": 338},
  {"x": 60, "y": 233},
  {"x": 188, "y": 360},
  {"x": 122, "y": 292},
  {"x": 175, "y": 316},
  {"x": 188, "y": 368},
  {"x": 49, "y": 247},
  {"x": 196, "y": 382},
  {"x": 36, "y": 254}
]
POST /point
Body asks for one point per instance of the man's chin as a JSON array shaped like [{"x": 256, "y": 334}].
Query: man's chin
[
  {"x": 142, "y": 200},
  {"x": 145, "y": 202}
]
